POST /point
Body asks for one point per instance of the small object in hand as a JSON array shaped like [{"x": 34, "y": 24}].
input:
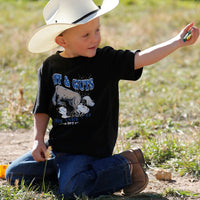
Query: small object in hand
[
  {"x": 48, "y": 154},
  {"x": 187, "y": 36}
]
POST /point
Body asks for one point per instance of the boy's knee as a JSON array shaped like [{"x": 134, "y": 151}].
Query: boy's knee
[
  {"x": 75, "y": 187},
  {"x": 9, "y": 175},
  {"x": 68, "y": 190}
]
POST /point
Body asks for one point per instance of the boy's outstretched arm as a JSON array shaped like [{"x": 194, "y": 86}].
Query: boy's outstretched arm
[
  {"x": 160, "y": 51},
  {"x": 39, "y": 148}
]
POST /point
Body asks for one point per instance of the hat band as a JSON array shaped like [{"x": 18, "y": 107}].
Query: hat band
[{"x": 90, "y": 13}]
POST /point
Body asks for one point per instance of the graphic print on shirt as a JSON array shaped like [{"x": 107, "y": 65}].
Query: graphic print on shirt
[{"x": 70, "y": 105}]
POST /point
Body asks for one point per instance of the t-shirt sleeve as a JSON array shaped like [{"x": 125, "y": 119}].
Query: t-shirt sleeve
[
  {"x": 120, "y": 64},
  {"x": 127, "y": 68},
  {"x": 43, "y": 98}
]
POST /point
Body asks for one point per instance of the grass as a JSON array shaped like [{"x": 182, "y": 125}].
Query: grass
[
  {"x": 161, "y": 110},
  {"x": 180, "y": 194},
  {"x": 23, "y": 192}
]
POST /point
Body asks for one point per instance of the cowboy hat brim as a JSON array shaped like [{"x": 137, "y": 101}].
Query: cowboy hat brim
[{"x": 43, "y": 39}]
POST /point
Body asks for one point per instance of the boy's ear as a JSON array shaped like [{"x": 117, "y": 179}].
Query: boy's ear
[{"x": 60, "y": 41}]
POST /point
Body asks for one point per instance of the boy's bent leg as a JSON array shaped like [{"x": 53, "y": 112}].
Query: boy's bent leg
[
  {"x": 80, "y": 174},
  {"x": 112, "y": 175},
  {"x": 27, "y": 169}
]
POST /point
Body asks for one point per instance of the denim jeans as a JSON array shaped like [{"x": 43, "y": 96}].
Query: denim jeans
[{"x": 76, "y": 174}]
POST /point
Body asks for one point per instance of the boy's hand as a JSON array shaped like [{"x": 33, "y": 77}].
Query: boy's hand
[
  {"x": 39, "y": 150},
  {"x": 194, "y": 37}
]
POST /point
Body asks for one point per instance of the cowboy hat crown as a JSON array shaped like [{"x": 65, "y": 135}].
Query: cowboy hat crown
[
  {"x": 60, "y": 15},
  {"x": 67, "y": 11}
]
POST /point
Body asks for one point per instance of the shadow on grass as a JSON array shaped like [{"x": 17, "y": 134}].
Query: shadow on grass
[
  {"x": 51, "y": 192},
  {"x": 115, "y": 196},
  {"x": 143, "y": 196}
]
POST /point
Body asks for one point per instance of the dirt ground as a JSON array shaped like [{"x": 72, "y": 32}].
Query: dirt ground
[{"x": 15, "y": 144}]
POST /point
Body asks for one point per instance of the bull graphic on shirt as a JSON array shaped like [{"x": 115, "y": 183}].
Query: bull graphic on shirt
[{"x": 70, "y": 103}]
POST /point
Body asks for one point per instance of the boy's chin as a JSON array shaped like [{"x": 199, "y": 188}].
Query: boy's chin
[{"x": 90, "y": 55}]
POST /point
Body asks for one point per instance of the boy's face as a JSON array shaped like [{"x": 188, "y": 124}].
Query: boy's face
[{"x": 82, "y": 40}]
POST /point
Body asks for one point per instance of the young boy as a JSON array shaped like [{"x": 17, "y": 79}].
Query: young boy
[{"x": 78, "y": 89}]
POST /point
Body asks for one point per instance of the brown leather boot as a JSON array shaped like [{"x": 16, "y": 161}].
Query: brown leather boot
[
  {"x": 139, "y": 155},
  {"x": 139, "y": 177}
]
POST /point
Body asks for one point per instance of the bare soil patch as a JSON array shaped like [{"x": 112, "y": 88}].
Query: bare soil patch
[{"x": 15, "y": 144}]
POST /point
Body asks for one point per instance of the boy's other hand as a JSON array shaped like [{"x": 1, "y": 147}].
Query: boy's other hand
[
  {"x": 38, "y": 151},
  {"x": 193, "y": 39}
]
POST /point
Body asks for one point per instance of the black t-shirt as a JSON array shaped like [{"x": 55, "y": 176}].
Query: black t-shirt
[{"x": 81, "y": 96}]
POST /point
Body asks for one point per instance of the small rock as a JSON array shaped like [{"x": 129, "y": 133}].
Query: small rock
[{"x": 163, "y": 175}]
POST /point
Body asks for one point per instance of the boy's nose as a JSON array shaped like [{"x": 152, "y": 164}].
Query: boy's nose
[{"x": 95, "y": 38}]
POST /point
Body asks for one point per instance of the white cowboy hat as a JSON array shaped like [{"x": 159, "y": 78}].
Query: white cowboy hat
[{"x": 60, "y": 15}]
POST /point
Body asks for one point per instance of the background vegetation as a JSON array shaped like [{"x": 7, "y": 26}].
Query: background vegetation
[{"x": 160, "y": 112}]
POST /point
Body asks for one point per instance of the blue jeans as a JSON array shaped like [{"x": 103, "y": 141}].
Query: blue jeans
[{"x": 76, "y": 174}]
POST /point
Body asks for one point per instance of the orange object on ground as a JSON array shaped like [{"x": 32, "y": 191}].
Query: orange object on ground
[{"x": 3, "y": 171}]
